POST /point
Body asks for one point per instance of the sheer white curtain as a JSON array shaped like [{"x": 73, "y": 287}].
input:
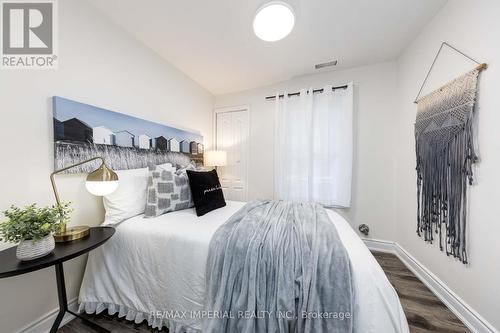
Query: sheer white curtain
[{"x": 314, "y": 146}]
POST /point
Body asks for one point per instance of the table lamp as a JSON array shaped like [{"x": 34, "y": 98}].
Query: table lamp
[
  {"x": 102, "y": 181},
  {"x": 215, "y": 158}
]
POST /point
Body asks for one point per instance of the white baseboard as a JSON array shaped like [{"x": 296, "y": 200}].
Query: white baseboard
[
  {"x": 44, "y": 323},
  {"x": 473, "y": 320},
  {"x": 380, "y": 245}
]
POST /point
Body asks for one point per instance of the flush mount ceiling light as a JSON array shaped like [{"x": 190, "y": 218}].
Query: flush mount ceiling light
[{"x": 273, "y": 21}]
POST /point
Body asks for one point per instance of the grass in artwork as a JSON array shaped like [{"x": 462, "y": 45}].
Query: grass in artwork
[{"x": 117, "y": 158}]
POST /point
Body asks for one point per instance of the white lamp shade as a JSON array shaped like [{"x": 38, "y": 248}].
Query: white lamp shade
[
  {"x": 100, "y": 188},
  {"x": 215, "y": 158}
]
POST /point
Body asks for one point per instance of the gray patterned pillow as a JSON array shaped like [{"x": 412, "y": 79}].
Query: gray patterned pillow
[{"x": 167, "y": 191}]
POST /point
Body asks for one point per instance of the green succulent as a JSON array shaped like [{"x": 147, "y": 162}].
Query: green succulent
[{"x": 32, "y": 222}]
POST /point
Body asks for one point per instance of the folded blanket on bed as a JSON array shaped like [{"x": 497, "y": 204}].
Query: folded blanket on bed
[{"x": 278, "y": 266}]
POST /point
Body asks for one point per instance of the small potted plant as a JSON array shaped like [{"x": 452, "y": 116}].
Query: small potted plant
[{"x": 32, "y": 227}]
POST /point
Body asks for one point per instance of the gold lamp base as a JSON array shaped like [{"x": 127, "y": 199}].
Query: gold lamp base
[{"x": 72, "y": 233}]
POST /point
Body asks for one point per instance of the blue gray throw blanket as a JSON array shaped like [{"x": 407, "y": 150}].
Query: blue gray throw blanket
[{"x": 278, "y": 266}]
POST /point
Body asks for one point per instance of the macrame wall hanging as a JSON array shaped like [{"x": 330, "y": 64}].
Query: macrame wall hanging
[{"x": 445, "y": 155}]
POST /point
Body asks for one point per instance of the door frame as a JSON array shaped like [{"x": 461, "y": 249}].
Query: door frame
[{"x": 236, "y": 108}]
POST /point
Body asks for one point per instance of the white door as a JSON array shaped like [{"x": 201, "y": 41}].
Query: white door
[{"x": 232, "y": 132}]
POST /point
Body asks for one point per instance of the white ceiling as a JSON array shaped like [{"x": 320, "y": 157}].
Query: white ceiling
[{"x": 212, "y": 40}]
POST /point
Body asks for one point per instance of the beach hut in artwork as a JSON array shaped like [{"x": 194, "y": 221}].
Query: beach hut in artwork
[
  {"x": 161, "y": 143},
  {"x": 103, "y": 135},
  {"x": 124, "y": 139},
  {"x": 58, "y": 130},
  {"x": 194, "y": 148},
  {"x": 184, "y": 146},
  {"x": 145, "y": 142},
  {"x": 76, "y": 130},
  {"x": 174, "y": 145},
  {"x": 200, "y": 148}
]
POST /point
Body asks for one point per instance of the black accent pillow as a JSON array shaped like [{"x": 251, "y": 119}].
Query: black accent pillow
[{"x": 206, "y": 191}]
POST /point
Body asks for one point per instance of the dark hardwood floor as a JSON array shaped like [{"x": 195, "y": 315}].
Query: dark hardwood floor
[{"x": 424, "y": 311}]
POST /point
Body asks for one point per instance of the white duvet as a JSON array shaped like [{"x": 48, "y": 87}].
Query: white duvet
[{"x": 154, "y": 270}]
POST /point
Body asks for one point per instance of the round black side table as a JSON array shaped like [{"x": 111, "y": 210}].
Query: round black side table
[{"x": 11, "y": 266}]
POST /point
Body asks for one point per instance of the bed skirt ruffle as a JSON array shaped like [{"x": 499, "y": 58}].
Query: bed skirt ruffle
[{"x": 136, "y": 316}]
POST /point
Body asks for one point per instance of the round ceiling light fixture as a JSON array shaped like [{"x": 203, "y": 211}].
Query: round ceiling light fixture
[{"x": 274, "y": 21}]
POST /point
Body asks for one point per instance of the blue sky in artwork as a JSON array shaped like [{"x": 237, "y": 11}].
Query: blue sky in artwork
[{"x": 65, "y": 109}]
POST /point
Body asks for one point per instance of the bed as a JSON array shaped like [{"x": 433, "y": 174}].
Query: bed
[{"x": 154, "y": 270}]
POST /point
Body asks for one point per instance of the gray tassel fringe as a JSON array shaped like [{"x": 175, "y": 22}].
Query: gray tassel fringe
[{"x": 445, "y": 153}]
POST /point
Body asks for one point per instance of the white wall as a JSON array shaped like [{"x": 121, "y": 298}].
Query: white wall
[
  {"x": 99, "y": 65},
  {"x": 373, "y": 177},
  {"x": 471, "y": 26}
]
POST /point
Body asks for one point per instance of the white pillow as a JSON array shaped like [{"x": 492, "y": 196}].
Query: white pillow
[{"x": 129, "y": 199}]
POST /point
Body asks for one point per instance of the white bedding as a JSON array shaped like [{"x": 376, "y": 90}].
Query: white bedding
[{"x": 158, "y": 264}]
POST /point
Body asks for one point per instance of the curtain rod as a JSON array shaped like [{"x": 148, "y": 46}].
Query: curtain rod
[{"x": 314, "y": 91}]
